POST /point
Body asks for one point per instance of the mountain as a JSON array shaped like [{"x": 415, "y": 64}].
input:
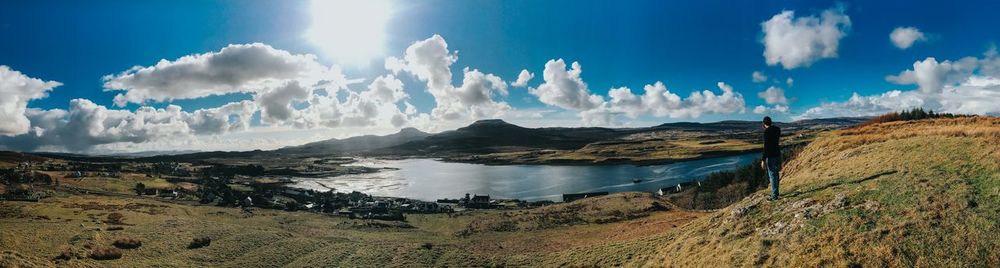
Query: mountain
[
  {"x": 495, "y": 135},
  {"x": 355, "y": 144}
]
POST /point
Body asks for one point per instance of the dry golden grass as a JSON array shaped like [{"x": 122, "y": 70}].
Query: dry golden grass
[
  {"x": 64, "y": 231},
  {"x": 919, "y": 193}
]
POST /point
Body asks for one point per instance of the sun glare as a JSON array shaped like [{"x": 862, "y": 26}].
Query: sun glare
[{"x": 349, "y": 32}]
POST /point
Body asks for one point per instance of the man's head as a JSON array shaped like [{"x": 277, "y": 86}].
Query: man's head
[{"x": 767, "y": 121}]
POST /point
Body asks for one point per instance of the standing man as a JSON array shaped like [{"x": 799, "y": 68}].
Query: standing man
[{"x": 772, "y": 155}]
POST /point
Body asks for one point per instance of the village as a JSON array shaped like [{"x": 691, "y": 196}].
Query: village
[
  {"x": 36, "y": 178},
  {"x": 228, "y": 186}
]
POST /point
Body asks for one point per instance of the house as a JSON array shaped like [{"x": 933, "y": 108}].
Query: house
[
  {"x": 677, "y": 188},
  {"x": 479, "y": 201},
  {"x": 573, "y": 197}
]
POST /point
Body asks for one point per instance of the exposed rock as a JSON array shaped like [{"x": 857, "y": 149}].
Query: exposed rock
[
  {"x": 840, "y": 201},
  {"x": 740, "y": 211}
]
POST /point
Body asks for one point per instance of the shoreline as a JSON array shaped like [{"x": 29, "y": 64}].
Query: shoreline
[
  {"x": 588, "y": 162},
  {"x": 313, "y": 184}
]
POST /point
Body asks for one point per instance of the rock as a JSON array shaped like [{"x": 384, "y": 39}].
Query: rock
[
  {"x": 838, "y": 202},
  {"x": 740, "y": 211}
]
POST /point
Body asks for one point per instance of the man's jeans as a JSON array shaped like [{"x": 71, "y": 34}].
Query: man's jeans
[{"x": 773, "y": 170}]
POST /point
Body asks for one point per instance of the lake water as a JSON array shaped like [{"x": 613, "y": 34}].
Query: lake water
[{"x": 428, "y": 179}]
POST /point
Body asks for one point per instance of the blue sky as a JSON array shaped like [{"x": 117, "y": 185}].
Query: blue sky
[{"x": 688, "y": 45}]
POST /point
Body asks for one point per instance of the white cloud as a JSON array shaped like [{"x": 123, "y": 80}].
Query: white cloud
[
  {"x": 790, "y": 82},
  {"x": 377, "y": 106},
  {"x": 777, "y": 109},
  {"x": 387, "y": 89},
  {"x": 276, "y": 103},
  {"x": 430, "y": 61},
  {"x": 968, "y": 86},
  {"x": 758, "y": 77},
  {"x": 87, "y": 124},
  {"x": 234, "y": 116},
  {"x": 799, "y": 42},
  {"x": 660, "y": 102},
  {"x": 931, "y": 76},
  {"x": 564, "y": 88},
  {"x": 236, "y": 68},
  {"x": 904, "y": 37},
  {"x": 773, "y": 95},
  {"x": 16, "y": 89},
  {"x": 523, "y": 78}
]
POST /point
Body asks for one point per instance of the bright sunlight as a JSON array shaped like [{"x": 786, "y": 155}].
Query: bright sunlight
[{"x": 349, "y": 32}]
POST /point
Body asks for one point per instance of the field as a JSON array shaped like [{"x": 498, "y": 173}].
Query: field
[{"x": 72, "y": 226}]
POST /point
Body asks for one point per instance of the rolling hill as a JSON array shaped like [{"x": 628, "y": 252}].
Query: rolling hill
[{"x": 355, "y": 144}]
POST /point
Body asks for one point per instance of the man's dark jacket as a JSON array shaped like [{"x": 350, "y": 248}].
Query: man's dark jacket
[{"x": 771, "y": 147}]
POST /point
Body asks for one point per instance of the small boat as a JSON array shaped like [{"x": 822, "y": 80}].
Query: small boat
[{"x": 636, "y": 180}]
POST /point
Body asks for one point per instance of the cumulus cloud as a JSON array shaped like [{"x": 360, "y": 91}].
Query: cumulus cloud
[
  {"x": 660, "y": 102},
  {"x": 564, "y": 88},
  {"x": 773, "y": 95},
  {"x": 523, "y": 78},
  {"x": 790, "y": 82},
  {"x": 276, "y": 104},
  {"x": 967, "y": 86},
  {"x": 430, "y": 61},
  {"x": 776, "y": 109},
  {"x": 387, "y": 89},
  {"x": 931, "y": 76},
  {"x": 87, "y": 124},
  {"x": 16, "y": 90},
  {"x": 904, "y": 37},
  {"x": 235, "y": 68},
  {"x": 377, "y": 106},
  {"x": 800, "y": 41},
  {"x": 234, "y": 116},
  {"x": 758, "y": 77}
]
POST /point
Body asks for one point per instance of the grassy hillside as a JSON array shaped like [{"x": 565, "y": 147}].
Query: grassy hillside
[{"x": 915, "y": 193}]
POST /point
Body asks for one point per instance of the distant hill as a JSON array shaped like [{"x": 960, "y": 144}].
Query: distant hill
[
  {"x": 355, "y": 144},
  {"x": 494, "y": 135},
  {"x": 480, "y": 137}
]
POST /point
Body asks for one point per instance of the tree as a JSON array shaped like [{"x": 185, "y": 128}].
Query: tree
[{"x": 140, "y": 188}]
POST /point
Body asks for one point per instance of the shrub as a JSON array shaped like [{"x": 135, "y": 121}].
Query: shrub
[
  {"x": 115, "y": 218},
  {"x": 200, "y": 242},
  {"x": 106, "y": 253},
  {"x": 292, "y": 206},
  {"x": 66, "y": 254},
  {"x": 140, "y": 188},
  {"x": 127, "y": 243},
  {"x": 914, "y": 114}
]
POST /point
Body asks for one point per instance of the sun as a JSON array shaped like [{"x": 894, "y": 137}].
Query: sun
[{"x": 349, "y": 32}]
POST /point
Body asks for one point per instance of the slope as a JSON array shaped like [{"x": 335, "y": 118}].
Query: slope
[{"x": 916, "y": 193}]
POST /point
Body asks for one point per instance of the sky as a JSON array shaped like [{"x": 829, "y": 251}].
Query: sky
[{"x": 114, "y": 76}]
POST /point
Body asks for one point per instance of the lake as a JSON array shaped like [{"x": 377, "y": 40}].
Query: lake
[{"x": 429, "y": 179}]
